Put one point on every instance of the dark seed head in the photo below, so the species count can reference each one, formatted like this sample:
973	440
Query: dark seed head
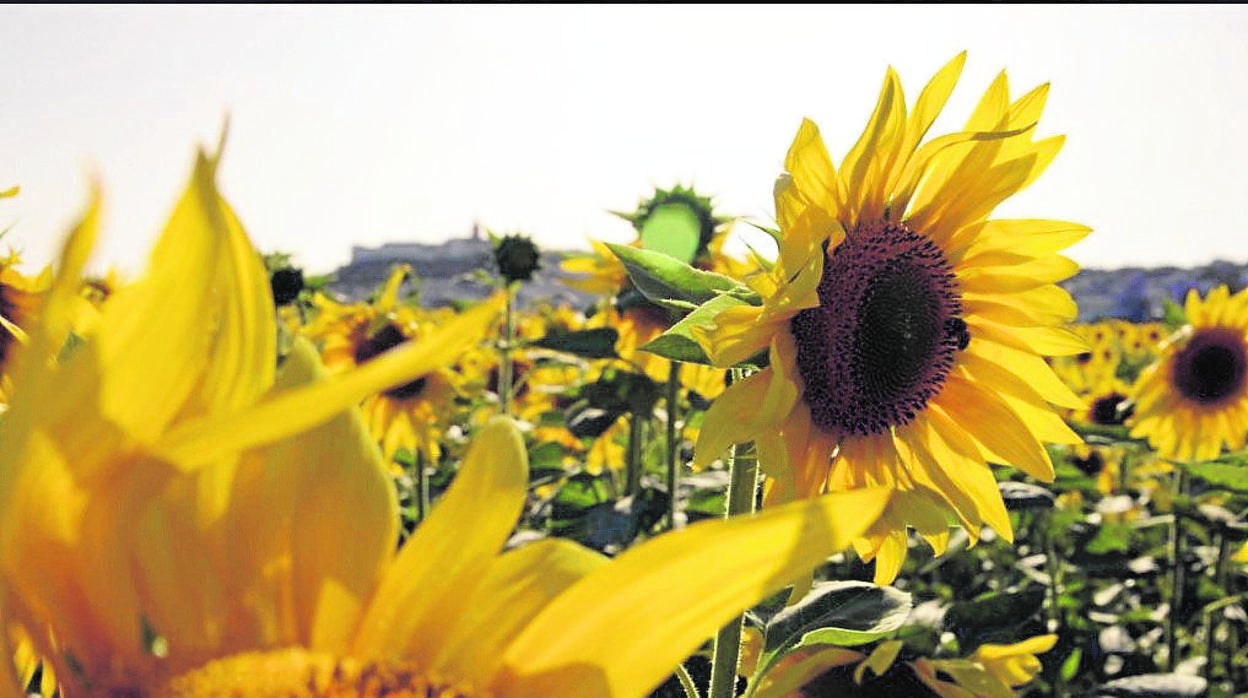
517	258
1211	367
884	335
385	339
286	284
1110	409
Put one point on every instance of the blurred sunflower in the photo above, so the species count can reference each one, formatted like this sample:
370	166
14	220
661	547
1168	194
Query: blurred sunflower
413	415
992	671
20	297
159	432
1194	399
905	331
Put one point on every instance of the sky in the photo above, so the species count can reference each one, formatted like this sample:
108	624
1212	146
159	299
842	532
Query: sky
360	125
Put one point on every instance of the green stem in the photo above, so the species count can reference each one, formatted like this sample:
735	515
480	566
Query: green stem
1177	570
686	682
742	490
673	440
1211	623
422	487
1053	567
1124	470
636	424
504	352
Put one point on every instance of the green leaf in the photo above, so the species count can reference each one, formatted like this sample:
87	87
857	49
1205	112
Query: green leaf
1070	666
1174	316
678	343
991	614
545	456
1110	538
674	284
597	343
846	613
1225	475
674	230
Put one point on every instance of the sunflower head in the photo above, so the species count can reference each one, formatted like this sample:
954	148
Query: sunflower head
677	202
906	331
1194	399
516	258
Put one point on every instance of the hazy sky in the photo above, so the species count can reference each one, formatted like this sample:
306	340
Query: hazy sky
366	124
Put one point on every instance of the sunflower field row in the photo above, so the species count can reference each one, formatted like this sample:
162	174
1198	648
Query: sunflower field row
879	459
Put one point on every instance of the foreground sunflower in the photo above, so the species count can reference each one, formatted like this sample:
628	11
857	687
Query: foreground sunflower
1194	399
905	331
179	518
155	402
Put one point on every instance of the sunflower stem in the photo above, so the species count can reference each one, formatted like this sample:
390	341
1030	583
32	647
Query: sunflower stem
686	682
422	487
1176	570
673	440
504	350
636	424
1211	624
742	489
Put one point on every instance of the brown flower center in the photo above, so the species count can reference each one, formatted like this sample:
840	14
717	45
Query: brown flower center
299	673
1211	367
385	339
884	335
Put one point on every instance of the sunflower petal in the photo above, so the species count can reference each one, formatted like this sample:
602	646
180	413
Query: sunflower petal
624	627
433	577
199	441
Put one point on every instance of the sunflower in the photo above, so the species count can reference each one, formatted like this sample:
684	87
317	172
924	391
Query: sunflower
992	671
1194	399
411	416
165	394
904	331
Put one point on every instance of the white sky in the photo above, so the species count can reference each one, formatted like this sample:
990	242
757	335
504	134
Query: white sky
368	124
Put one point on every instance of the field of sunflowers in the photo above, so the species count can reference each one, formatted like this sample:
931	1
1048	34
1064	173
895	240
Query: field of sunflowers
876	460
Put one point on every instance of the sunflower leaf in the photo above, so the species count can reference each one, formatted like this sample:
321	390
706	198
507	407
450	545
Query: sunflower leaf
672	283
1229	476
595	343
678	343
1174	316
992	616
845	613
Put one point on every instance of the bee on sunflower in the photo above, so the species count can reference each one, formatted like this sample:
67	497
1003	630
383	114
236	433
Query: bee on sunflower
905	332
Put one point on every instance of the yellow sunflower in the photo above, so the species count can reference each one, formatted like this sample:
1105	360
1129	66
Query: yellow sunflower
163	398
992	671
1194	399
20	296
413	415
905	331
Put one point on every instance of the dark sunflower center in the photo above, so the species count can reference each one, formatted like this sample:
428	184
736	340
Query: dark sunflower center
884	335
385	339
301	673
1107	409
1212	366
10	311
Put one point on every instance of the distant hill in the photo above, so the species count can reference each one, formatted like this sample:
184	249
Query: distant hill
462	269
